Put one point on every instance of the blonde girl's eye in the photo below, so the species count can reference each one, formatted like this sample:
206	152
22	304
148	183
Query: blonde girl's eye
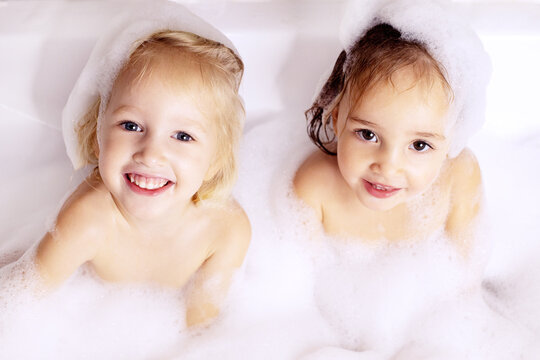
420	146
183	136
131	126
367	135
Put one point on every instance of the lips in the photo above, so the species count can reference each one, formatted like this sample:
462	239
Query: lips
379	190
147	185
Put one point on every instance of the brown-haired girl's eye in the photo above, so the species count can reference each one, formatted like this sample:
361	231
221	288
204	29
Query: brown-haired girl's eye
421	146
367	135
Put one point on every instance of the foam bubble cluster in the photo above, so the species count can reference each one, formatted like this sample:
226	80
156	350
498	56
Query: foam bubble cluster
84	318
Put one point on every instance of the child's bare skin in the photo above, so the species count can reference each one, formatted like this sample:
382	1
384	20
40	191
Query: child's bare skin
135	219
395	137
117	252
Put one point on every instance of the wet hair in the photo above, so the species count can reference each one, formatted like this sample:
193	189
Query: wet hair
372	59
221	72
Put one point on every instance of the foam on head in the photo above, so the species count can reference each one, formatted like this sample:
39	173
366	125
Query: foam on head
376	57
437	27
112	51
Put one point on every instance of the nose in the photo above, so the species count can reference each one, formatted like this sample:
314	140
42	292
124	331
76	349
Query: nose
149	152
387	161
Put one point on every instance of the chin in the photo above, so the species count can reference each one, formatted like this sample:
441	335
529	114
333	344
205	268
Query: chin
145	212
380	207
378	204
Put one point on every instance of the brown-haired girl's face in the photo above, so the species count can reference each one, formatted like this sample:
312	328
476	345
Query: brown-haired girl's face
392	144
156	146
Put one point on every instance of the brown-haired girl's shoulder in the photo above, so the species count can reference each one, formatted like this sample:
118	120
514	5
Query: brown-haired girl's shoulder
466	196
314	179
465	172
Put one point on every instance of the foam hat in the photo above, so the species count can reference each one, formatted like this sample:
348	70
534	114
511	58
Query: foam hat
448	38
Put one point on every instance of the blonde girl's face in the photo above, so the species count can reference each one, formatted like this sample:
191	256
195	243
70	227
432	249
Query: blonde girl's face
392	144
155	145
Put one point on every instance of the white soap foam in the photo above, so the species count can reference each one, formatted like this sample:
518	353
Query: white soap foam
85	318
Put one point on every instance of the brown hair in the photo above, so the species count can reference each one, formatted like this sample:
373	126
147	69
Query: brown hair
222	72
373	58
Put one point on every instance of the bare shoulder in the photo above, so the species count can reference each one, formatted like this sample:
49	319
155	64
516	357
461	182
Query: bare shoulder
464	174
232	230
86	206
315	178
237	221
76	235
466	195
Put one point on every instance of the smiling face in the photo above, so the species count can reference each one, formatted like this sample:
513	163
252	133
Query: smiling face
156	146
392	144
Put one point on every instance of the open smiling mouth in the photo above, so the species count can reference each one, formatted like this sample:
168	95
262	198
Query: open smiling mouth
144	185
380	191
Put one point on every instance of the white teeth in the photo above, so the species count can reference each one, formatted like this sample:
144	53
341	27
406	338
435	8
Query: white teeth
382	188
141	183
147	183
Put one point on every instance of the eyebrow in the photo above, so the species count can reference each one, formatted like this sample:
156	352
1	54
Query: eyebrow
430	135
124	108
418	134
362	121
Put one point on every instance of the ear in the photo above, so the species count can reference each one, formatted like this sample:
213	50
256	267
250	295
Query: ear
335	114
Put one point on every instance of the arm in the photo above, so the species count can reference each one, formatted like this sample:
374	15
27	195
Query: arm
211	282
466	196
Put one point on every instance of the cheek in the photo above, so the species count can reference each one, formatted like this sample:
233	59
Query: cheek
112	150
424	176
195	161
351	162
106	149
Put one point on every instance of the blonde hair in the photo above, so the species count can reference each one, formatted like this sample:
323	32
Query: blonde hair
221	72
372	59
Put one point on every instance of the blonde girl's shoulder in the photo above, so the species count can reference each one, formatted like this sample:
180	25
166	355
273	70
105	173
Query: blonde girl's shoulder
316	179
90	200
236	220
230	231
77	234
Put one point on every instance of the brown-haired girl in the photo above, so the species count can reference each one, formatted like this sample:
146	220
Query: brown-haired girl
390	124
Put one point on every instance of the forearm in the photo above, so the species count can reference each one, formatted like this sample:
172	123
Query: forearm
201	313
